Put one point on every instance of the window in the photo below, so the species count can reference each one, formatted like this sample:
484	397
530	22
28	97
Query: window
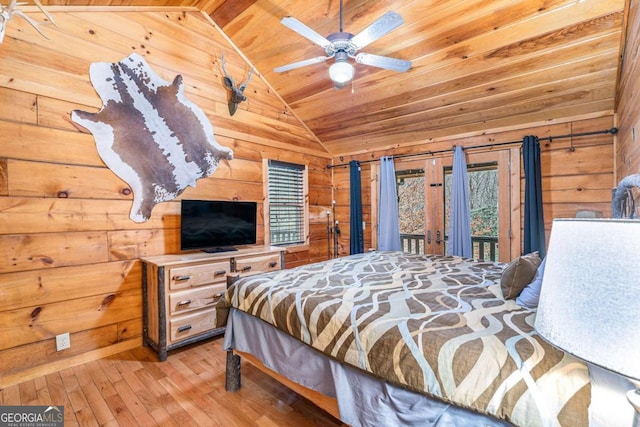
411	205
483	208
286	203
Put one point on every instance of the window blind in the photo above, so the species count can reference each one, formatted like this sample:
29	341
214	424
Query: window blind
286	203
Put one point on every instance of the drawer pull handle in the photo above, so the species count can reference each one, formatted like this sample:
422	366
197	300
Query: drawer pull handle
246	268
184	328
181	278
184	302
219	273
272	264
215	298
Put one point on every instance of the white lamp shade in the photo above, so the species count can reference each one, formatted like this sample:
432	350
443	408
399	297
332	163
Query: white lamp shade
590	289
341	71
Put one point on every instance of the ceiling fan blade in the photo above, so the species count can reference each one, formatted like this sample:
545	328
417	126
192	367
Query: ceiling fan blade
385	24
303	30
294	65
385	62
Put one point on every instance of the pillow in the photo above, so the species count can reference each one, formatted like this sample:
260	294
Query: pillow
518	274
531	293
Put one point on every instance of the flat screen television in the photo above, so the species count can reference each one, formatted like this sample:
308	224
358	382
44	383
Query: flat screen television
217	226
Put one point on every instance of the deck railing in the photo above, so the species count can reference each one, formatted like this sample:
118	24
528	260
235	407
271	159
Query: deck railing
484	247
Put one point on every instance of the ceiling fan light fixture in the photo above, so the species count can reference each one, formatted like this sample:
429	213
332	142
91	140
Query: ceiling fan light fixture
341	71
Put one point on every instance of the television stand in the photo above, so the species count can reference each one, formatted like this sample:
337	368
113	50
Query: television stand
182	294
219	249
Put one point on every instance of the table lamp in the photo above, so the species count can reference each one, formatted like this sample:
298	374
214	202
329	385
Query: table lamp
590	289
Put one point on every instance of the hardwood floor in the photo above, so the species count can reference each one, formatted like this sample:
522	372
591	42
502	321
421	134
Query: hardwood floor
134	389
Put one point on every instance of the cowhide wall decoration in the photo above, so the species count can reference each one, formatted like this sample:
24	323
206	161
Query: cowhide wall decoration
148	133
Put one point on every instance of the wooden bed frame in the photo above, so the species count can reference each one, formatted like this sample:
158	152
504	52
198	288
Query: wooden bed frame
233	383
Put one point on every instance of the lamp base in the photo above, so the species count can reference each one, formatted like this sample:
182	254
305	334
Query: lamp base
633	396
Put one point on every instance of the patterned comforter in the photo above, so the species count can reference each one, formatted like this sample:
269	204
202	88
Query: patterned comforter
433	324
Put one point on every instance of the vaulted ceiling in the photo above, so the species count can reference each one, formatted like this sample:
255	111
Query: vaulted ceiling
476	64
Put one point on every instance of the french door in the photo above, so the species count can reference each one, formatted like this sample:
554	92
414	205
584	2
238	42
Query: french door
424	197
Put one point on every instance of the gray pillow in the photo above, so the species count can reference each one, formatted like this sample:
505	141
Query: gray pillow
518	274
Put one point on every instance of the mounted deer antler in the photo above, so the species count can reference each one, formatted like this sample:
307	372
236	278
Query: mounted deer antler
237	92
7	12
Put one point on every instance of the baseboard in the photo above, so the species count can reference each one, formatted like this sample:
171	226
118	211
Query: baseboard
50	368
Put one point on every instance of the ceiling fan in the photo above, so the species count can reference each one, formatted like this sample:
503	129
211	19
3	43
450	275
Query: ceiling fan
343	45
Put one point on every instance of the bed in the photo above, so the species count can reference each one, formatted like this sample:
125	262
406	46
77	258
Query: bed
397	339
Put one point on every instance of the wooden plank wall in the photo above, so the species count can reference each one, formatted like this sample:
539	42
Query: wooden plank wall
577	173
628	147
68	250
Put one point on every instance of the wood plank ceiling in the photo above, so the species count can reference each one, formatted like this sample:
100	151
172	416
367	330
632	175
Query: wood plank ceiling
476	64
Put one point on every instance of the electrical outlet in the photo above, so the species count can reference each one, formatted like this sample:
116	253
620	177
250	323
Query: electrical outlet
63	341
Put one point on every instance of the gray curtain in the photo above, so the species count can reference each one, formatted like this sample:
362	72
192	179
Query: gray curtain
534	237
459	219
356	235
388	227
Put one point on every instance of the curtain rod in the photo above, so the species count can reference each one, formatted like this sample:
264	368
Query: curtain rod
612	131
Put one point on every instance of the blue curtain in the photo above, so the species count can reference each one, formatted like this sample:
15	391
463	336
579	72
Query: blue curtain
534	237
459	218
388	227
356	236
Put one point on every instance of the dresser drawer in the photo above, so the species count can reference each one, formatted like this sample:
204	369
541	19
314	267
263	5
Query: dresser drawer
257	264
188	325
193	299
197	275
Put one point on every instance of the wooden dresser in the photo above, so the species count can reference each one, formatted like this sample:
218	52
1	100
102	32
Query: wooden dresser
181	293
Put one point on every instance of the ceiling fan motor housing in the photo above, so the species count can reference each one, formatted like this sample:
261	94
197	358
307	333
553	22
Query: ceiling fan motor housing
341	42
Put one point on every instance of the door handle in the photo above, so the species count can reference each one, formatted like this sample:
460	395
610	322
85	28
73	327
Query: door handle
428	237
438	237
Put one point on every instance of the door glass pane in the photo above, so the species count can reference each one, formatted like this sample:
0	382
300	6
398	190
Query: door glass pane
483	208
410	185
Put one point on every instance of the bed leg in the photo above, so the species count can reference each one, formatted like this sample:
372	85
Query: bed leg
232	382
